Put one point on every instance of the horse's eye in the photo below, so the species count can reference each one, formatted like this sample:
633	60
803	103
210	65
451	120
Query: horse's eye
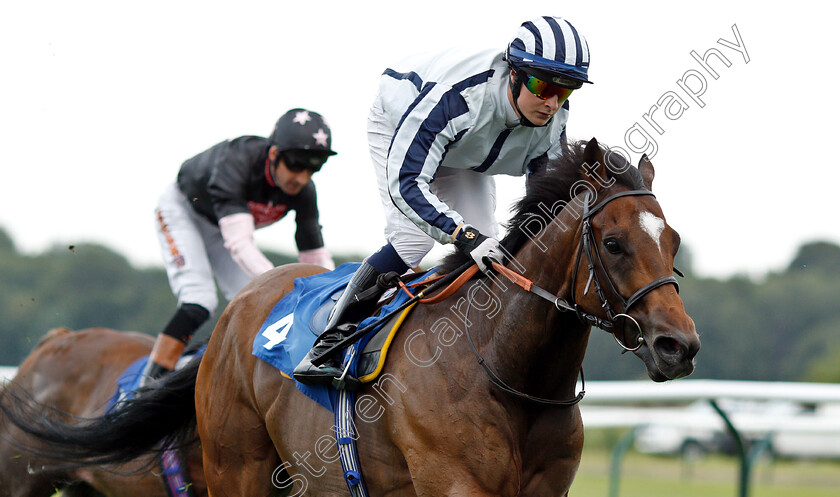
612	246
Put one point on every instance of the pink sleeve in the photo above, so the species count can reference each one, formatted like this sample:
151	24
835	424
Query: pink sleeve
238	234
319	256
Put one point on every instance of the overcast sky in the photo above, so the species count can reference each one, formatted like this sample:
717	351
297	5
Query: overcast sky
102	101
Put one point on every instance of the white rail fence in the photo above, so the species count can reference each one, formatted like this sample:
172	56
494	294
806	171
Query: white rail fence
797	431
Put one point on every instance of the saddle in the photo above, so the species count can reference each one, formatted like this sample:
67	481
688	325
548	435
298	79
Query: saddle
375	350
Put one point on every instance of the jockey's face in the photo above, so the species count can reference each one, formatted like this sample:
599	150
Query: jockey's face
533	108
290	182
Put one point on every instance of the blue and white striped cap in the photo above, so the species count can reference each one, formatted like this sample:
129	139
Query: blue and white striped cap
550	44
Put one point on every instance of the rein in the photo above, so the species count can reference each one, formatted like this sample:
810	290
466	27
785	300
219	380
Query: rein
494	378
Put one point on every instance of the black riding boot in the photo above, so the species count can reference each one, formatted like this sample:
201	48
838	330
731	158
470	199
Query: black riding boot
349	309
151	372
162	360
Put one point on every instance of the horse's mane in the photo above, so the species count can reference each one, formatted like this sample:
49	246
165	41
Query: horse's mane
549	187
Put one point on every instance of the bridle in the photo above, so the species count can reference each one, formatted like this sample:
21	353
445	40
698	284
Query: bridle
588	246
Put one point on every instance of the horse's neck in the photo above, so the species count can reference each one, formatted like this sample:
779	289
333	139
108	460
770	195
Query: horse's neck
531	338
537	348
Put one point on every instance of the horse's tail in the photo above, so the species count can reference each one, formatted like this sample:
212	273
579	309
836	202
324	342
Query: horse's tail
157	418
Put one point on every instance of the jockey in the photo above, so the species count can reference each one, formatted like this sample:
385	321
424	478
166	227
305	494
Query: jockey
206	220
440	127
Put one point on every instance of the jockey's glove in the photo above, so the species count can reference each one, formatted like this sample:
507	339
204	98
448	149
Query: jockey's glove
482	249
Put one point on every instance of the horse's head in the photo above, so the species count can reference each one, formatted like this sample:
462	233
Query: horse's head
625	265
598	233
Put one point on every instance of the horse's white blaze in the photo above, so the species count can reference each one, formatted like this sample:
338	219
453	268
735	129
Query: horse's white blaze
653	226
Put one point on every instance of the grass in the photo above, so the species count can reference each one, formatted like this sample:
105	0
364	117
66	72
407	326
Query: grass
644	475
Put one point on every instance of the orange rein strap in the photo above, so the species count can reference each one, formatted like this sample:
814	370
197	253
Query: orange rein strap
449	290
515	277
426	282
512	275
405	289
529	286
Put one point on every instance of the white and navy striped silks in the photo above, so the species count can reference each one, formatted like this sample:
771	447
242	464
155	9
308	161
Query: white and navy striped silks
551	44
451	110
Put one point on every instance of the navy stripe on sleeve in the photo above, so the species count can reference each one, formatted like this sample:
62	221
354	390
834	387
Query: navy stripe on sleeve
475	80
408	111
451	105
411	76
446	148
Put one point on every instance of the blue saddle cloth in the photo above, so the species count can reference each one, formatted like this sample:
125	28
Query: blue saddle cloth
286	336
129	380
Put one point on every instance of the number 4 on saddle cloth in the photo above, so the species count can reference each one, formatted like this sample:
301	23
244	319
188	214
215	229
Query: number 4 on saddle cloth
298	318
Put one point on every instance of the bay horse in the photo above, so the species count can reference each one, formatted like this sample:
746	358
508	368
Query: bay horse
76	372
477	397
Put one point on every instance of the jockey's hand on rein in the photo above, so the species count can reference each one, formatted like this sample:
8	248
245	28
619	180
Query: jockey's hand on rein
482	249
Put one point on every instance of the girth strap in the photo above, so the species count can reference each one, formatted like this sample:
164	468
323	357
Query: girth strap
345	437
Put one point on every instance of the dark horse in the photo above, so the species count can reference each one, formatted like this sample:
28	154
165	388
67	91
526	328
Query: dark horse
436	422
76	372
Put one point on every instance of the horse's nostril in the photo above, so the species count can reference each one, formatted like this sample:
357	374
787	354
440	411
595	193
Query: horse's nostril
669	347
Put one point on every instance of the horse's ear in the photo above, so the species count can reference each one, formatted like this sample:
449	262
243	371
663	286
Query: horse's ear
646	168
593	158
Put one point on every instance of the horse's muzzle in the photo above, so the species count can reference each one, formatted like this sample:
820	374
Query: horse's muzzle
672	356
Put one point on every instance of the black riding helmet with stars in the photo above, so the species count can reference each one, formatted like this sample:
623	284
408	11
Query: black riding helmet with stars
303	136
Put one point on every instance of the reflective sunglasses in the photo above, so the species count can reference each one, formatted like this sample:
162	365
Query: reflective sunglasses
544	91
297	162
298	167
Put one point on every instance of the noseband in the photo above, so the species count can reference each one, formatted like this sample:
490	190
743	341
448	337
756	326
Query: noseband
595	264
